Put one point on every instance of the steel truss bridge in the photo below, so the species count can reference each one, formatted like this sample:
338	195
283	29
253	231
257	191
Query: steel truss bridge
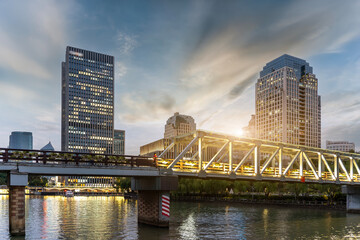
200	154
212	155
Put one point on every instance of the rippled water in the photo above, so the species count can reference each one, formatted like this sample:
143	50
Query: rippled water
115	218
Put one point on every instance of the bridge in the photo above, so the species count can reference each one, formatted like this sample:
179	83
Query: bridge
200	154
213	155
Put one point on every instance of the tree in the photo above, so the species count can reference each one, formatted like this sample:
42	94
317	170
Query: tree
330	191
3	178
297	188
241	186
123	183
37	181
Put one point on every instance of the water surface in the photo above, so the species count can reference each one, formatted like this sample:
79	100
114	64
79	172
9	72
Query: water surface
55	217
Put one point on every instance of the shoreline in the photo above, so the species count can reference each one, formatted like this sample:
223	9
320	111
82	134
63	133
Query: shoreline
338	205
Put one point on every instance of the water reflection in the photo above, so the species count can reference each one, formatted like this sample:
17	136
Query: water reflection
116	218
187	229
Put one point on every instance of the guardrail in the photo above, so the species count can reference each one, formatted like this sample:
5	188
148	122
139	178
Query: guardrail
8	155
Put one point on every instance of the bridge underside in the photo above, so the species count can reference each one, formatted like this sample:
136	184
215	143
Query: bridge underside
81	170
212	155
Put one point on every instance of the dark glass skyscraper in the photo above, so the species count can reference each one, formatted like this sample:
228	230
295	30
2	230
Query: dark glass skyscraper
87	102
119	142
21	140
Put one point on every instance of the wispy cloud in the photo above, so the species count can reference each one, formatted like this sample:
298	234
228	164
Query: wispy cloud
152	109
24	53
126	43
233	43
120	69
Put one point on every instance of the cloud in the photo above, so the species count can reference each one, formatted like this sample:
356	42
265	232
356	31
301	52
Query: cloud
241	87
12	58
120	69
143	110
29	34
232	43
16	96
126	43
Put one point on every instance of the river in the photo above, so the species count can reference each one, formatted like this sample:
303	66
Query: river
57	217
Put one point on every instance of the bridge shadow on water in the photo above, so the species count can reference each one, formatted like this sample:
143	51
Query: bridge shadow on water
151	233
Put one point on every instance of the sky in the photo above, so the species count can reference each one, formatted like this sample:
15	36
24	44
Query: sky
199	58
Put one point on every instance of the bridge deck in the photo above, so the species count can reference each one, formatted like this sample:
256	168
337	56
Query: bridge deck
200	154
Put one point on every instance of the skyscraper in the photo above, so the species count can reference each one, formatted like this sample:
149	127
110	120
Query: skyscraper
87	124
21	140
87	102
287	103
178	125
119	142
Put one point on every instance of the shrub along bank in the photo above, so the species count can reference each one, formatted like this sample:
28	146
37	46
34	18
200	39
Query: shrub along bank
253	190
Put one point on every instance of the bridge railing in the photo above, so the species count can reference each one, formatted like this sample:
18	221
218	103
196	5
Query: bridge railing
69	158
203	154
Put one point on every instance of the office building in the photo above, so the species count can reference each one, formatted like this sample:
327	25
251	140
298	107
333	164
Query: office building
342	146
178	125
288	107
21	140
87	102
119	142
87	107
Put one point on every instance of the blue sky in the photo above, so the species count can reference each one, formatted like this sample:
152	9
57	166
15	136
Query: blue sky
200	58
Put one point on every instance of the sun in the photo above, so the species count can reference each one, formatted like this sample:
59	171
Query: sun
239	132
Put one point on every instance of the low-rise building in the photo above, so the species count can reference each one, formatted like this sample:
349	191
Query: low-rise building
343	146
179	125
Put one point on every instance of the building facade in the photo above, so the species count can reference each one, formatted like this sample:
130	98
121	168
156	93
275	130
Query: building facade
119	142
288	107
342	146
87	102
48	147
87	108
178	125
21	140
249	131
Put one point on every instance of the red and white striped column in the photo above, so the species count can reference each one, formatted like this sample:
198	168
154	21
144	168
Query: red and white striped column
165	205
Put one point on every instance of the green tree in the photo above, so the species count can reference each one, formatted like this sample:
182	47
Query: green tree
123	183
37	181
241	186
297	188
330	191
3	178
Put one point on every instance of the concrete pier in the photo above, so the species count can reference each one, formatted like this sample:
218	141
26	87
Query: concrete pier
352	198
17	185
153	193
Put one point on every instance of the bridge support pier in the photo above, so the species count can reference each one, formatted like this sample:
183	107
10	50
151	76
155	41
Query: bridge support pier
154	199
352	198
17	185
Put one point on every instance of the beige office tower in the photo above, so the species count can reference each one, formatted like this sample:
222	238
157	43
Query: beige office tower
287	103
178	125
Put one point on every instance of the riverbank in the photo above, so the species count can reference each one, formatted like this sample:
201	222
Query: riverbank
286	201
